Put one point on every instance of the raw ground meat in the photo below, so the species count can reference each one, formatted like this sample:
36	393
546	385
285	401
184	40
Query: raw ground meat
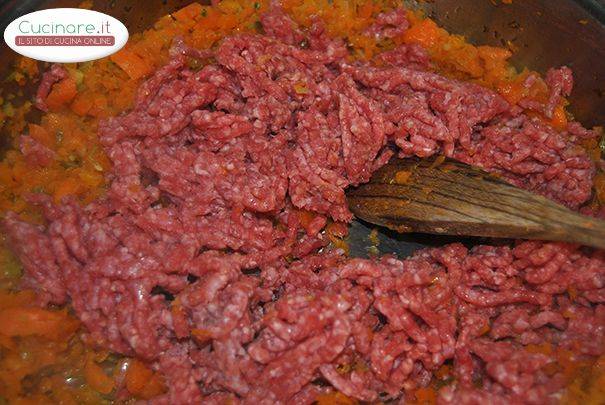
55	74
200	260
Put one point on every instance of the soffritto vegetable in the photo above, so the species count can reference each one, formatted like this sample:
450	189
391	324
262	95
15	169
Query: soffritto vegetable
309	326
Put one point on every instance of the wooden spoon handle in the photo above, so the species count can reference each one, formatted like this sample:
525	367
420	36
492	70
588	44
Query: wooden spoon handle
454	199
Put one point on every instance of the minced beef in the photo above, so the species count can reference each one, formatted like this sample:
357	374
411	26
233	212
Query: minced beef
55	74
212	173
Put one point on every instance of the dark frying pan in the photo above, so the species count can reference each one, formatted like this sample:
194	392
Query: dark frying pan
543	33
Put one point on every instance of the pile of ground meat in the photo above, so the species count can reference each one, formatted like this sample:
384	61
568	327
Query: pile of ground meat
199	261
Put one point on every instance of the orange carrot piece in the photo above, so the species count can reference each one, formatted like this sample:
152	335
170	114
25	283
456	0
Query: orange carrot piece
69	186
28	66
559	118
99	106
425	33
306	217
188	14
18	299
61	94
201	336
154	387
426	395
36	321
337	229
96	377
137	376
142	382
599	184
135	66
7	342
82	104
30	400
337	398
493	55
365	11
513	92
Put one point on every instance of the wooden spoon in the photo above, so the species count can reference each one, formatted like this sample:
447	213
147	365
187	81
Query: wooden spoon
454	199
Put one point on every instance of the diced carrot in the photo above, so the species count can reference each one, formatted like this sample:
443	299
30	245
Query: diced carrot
599	184
61	94
21	321
513	92
99	106
366	46
164	22
365	11
426	33
28	66
125	97
544	348
86	4
137	376
100	355
568	363
464	57
96	377
180	322
337	229
229	21
426	395
336	398
495	61
91	178
493	56
68	186
591	145
17	299
20	171
6	176
142	382
443	372
188	14
154	387
31	400
340	244
551	368
403	176
64	396
135	66
305	217
82	104
7	342
201	336
559	118
149	49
